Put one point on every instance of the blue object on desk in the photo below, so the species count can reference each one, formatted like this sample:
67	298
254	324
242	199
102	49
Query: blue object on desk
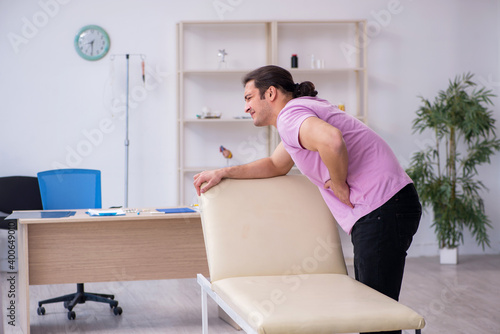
176	210
108	212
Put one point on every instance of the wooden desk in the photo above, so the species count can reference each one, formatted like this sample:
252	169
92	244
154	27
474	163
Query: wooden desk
83	249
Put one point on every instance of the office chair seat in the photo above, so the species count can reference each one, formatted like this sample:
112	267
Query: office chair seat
73	189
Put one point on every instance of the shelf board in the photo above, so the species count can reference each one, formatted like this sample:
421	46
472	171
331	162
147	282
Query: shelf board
218	120
215	71
292	70
325	70
320	21
225	22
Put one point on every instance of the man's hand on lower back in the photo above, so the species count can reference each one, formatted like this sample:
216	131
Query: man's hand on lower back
342	192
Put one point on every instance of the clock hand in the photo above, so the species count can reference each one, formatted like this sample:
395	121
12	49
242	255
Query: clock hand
91	46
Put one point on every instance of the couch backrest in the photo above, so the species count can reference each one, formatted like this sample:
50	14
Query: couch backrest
275	226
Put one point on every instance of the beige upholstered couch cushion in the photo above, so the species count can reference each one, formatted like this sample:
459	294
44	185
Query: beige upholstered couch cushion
313	304
269	227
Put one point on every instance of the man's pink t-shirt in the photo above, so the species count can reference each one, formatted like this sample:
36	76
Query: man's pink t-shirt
374	174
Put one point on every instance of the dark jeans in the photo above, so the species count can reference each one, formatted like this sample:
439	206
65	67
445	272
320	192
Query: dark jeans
381	239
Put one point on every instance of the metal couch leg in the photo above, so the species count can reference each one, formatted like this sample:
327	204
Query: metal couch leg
204	312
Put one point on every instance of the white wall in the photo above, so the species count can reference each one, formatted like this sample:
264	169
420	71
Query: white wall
56	108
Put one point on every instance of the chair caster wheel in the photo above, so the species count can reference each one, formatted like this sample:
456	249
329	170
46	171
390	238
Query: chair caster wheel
71	315
117	310
40	310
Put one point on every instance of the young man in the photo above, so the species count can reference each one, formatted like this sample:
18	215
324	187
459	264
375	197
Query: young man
359	177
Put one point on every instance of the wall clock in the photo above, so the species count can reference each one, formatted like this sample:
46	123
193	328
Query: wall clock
92	42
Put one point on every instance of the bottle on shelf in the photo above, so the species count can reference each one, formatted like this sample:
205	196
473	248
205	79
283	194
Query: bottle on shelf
295	61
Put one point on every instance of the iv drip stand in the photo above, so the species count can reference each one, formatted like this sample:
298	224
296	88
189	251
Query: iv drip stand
126	136
127	142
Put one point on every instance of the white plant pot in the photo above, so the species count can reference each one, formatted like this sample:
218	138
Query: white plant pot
448	255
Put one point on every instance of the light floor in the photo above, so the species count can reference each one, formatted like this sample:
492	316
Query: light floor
453	299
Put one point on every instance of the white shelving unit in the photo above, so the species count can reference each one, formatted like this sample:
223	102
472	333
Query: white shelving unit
203	82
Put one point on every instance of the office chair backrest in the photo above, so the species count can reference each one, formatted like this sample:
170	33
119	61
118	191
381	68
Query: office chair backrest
19	193
70	189
268	227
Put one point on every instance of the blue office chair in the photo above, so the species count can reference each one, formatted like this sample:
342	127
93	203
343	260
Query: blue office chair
64	189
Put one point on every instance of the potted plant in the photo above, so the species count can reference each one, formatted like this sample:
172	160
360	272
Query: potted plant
445	174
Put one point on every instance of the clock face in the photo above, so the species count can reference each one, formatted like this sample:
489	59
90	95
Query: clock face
92	42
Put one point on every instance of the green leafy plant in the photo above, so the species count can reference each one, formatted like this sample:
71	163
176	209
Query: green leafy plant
445	172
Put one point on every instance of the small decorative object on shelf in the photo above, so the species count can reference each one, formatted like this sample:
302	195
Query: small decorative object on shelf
207	113
228	155
295	61
222	62
316	63
320	63
225	152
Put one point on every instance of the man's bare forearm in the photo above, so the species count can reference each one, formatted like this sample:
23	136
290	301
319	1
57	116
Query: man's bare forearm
279	163
259	169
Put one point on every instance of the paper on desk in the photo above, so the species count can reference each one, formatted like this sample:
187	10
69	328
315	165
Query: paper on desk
106	212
